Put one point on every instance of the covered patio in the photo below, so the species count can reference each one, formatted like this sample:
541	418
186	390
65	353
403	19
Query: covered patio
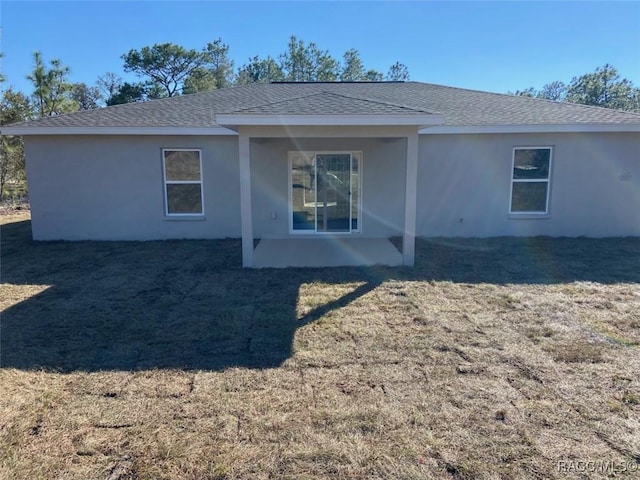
267	211
325	252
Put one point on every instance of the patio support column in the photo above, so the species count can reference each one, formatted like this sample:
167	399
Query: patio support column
410	201
246	218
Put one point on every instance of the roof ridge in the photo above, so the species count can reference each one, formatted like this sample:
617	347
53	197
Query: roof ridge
324	92
380	102
250	107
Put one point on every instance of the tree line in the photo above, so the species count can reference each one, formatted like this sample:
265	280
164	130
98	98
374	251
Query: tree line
602	88
167	69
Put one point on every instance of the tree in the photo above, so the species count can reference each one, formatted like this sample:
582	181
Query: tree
398	72
128	93
327	66
556	91
352	67
217	60
307	63
52	90
14	107
259	71
527	92
604	88
295	62
373	76
86	97
200	80
109	84
216	70
152	91
166	65
11	161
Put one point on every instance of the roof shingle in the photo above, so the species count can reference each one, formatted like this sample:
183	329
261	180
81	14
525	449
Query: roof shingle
459	107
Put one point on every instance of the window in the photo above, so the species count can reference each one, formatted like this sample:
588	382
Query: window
324	192
530	180
182	182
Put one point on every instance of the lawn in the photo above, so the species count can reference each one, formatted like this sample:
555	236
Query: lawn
492	359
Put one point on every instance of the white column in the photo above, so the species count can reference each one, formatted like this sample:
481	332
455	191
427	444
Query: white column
410	200
246	218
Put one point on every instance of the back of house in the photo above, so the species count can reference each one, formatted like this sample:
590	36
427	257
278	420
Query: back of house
342	167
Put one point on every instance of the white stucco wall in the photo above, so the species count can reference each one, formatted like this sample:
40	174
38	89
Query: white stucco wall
464	185
111	187
383	182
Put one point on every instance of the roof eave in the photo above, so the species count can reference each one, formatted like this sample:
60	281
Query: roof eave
26	130
541	128
233	120
433	128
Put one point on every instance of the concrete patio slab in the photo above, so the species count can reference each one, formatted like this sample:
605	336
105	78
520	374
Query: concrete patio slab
325	252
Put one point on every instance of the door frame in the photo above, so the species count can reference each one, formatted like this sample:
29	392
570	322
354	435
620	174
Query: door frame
314	153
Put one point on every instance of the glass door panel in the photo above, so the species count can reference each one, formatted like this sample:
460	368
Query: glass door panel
303	191
333	208
355	190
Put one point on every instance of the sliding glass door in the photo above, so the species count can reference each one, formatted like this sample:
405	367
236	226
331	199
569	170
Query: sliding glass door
325	192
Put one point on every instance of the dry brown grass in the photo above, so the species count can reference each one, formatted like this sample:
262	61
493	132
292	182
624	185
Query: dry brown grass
491	359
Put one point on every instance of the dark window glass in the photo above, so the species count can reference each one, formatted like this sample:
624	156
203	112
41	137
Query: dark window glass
184	198
529	197
182	165
531	164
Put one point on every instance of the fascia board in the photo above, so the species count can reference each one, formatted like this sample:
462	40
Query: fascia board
39	130
559	128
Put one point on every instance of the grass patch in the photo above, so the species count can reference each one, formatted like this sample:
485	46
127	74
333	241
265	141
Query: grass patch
576	352
536	334
494	358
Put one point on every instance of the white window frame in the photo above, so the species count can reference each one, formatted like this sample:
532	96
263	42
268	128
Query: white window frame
531	180
315	231
181	182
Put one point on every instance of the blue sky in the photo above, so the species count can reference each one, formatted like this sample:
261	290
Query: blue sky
494	46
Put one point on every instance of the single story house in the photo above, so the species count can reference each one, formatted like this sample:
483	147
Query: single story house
327	173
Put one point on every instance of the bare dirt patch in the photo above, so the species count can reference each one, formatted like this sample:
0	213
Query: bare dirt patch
499	358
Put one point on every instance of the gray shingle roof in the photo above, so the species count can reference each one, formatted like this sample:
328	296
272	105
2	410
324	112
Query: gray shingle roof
459	107
322	102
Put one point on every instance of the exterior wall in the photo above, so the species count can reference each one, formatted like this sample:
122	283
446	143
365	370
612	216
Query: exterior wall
111	187
383	182
464	185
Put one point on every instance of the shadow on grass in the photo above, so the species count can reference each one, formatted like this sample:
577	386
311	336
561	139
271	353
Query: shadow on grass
190	305
531	260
